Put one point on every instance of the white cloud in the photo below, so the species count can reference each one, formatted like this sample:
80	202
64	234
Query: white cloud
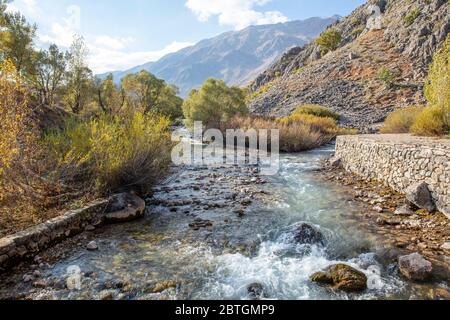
106	53
237	13
104	59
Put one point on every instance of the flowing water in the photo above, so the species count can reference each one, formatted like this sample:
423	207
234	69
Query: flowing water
139	260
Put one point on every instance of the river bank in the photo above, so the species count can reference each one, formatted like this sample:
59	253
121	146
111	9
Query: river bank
211	233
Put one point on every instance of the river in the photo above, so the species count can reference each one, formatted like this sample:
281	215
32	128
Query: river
211	232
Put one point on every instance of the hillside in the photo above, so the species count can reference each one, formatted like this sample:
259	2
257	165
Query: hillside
236	57
346	79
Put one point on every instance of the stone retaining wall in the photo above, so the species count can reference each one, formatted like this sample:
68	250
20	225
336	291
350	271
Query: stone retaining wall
400	161
30	242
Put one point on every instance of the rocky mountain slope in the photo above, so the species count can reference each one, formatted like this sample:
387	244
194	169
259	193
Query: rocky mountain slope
401	40
236	57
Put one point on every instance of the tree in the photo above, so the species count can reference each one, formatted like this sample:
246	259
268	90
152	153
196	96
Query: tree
437	87
50	69
80	78
16	40
214	103
109	96
329	40
145	92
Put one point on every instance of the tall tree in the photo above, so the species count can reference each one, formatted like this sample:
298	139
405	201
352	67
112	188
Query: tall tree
16	39
80	78
109	97
50	69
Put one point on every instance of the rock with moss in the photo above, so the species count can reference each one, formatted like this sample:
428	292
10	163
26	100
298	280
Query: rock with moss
341	277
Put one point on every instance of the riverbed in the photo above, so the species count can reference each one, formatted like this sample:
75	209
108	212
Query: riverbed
210	232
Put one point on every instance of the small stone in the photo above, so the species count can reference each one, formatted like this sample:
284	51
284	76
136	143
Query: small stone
378	209
40	284
28	278
342	277
89	228
92	246
246	202
446	246
404	210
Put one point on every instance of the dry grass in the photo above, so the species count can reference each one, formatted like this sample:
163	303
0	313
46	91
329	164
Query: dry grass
402	120
298	133
431	122
316	110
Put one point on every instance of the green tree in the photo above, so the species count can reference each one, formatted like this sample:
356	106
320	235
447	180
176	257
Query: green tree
214	103
145	92
16	39
80	78
329	40
110	98
50	70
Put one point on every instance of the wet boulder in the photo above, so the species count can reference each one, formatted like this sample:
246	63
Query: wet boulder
342	277
124	207
304	233
420	196
257	291
415	267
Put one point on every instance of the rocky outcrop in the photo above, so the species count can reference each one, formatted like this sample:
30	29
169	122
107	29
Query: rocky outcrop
346	79
342	277
30	242
412	165
415	267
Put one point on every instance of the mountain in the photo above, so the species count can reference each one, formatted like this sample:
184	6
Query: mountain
347	79
236	57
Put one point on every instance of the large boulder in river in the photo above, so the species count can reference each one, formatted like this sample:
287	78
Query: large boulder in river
419	195
304	233
124	207
342	277
415	267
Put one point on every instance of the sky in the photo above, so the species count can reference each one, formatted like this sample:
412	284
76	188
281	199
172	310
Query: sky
122	34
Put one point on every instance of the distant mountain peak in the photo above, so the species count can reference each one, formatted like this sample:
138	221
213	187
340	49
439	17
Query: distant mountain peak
236	56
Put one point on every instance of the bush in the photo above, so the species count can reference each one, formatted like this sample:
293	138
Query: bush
402	120
329	40
317	110
435	119
112	153
430	123
214	103
297	133
387	76
411	17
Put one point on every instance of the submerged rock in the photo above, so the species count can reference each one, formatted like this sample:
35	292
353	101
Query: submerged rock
419	195
306	234
92	246
257	291
415	267
342	277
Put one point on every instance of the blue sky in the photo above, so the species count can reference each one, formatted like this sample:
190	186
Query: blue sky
122	34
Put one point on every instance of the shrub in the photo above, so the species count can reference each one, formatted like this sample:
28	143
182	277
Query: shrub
112	153
317	110
329	40
387	76
402	120
430	123
297	133
435	119
411	17
214	103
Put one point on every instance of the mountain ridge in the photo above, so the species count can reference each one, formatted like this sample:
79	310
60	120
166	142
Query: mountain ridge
347	79
234	56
